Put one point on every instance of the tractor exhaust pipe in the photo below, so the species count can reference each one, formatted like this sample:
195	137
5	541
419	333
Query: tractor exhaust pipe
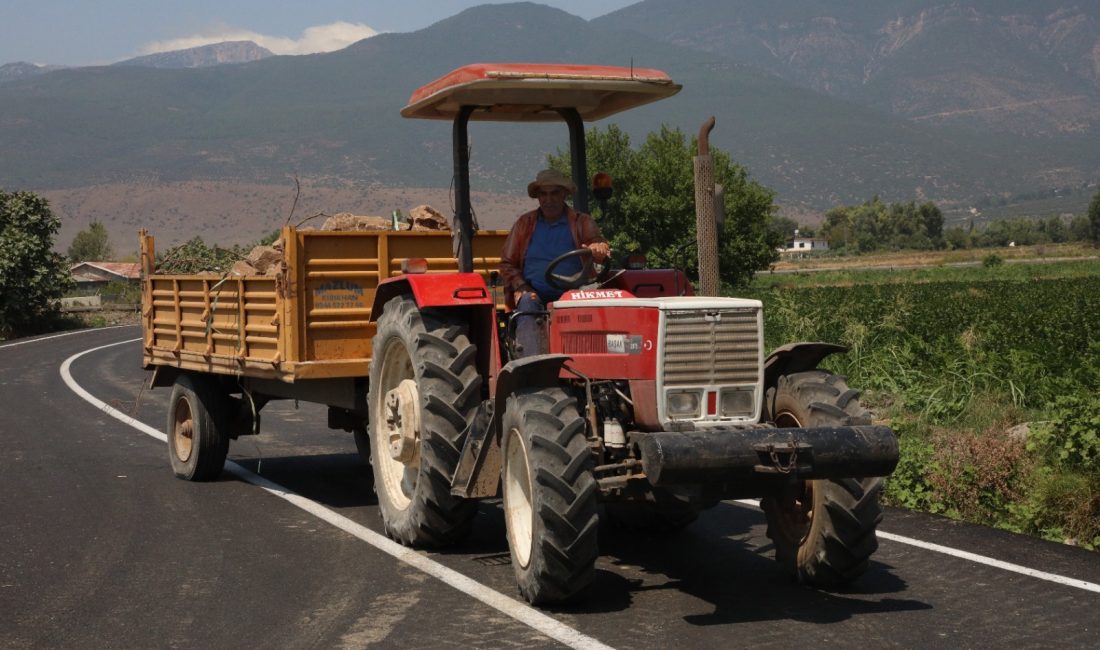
706	224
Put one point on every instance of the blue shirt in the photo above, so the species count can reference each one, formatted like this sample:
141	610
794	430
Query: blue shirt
547	242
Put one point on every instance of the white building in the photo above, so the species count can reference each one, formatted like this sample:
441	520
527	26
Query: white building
799	246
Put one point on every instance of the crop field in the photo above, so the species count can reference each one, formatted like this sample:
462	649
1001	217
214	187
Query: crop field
991	376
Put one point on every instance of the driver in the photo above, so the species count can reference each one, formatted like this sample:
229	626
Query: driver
536	239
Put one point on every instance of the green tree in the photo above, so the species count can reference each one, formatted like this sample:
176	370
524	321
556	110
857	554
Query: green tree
1094	218
875	225
956	237
1055	229
32	277
1080	228
92	244
783	228
836	228
933	222
652	210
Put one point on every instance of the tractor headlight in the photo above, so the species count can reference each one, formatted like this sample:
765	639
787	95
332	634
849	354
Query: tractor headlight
738	402
683	404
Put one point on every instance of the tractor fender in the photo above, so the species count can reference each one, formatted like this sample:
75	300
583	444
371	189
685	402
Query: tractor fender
477	474
433	290
796	357
535	370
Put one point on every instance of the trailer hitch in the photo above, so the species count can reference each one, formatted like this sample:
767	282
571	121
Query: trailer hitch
784	457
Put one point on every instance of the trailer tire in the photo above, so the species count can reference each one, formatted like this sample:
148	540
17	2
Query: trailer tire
823	530
550	495
198	441
425	361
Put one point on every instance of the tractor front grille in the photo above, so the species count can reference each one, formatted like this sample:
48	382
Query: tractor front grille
712	347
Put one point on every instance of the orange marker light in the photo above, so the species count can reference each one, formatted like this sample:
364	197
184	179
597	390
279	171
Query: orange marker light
414	265
601	186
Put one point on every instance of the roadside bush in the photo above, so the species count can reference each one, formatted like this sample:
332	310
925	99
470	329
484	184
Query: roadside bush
978	474
121	293
1072	438
909	486
1062	506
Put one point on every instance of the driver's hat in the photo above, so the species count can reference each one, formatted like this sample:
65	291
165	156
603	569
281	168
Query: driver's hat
550	177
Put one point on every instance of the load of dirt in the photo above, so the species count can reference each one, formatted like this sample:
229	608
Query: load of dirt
422	217
353	222
425	217
267	260
261	260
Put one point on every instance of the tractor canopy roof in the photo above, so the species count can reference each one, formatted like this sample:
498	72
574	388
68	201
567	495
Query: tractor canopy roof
535	92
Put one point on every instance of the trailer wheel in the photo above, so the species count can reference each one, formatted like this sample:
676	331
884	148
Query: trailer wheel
823	530
196	428
549	495
424	389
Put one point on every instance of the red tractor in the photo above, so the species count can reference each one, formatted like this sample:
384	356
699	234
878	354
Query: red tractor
650	400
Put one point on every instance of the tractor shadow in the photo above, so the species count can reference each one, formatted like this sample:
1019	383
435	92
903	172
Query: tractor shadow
335	480
725	559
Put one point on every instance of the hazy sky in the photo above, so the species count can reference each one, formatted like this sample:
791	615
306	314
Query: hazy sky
89	32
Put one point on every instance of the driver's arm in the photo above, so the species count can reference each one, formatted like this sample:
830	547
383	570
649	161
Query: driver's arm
590	237
511	258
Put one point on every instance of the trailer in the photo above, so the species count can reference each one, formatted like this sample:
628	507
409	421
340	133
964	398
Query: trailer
230	344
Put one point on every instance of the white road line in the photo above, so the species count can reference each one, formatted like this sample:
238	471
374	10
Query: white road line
974	557
57	336
521	612
981	559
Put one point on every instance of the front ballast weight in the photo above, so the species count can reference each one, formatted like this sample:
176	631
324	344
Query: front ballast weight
741	454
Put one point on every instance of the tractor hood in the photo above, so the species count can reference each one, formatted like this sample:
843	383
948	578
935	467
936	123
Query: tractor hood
588	298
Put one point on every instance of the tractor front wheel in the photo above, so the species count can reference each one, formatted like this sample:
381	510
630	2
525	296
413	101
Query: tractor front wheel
823	530
550	495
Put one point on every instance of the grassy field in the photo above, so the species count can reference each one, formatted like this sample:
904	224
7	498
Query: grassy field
990	374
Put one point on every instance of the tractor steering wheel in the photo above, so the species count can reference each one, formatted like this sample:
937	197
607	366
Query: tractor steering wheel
566	282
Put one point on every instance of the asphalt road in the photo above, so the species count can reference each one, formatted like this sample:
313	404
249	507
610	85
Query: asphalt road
100	546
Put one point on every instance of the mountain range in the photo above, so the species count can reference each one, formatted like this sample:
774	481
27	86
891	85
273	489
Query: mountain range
203	56
966	103
1023	66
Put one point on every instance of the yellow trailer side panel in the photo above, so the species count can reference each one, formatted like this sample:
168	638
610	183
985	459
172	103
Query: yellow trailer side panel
310	320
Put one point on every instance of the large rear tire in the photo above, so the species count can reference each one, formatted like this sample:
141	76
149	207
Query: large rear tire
550	496
424	390
824	530
198	441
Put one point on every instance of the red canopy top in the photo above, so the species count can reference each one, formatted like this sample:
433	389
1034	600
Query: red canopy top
524	92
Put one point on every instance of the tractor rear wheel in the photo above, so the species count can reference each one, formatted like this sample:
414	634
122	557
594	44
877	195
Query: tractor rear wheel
550	495
424	390
823	530
198	441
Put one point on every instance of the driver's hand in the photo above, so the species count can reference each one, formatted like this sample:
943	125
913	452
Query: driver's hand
600	250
